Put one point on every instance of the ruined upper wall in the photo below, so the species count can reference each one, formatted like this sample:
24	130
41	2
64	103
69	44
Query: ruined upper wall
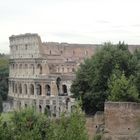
30	46
70	52
25	46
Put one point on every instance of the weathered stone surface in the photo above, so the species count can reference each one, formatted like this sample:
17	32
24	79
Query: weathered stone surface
122	120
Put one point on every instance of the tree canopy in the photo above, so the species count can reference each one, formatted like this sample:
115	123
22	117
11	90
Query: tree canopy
4	72
29	125
91	83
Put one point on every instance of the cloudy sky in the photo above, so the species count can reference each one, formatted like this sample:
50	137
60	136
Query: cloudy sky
73	21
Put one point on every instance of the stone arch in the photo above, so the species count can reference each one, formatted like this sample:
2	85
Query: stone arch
39	89
47	110
15	88
54	111
64	89
25	88
20	88
73	69
31	89
67	102
58	83
19	105
13	66
48	90
26	105
39	67
40	108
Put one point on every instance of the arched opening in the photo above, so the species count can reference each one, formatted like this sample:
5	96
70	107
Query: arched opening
48	90
25	89
19	105
73	69
58	83
39	90
25	105
13	87
39	67
47	110
40	108
64	90
20	88
54	111
31	89
67	102
13	66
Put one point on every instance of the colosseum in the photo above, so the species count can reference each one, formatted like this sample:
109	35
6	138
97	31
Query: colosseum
41	74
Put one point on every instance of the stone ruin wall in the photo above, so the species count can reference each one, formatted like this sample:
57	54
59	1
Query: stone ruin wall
122	121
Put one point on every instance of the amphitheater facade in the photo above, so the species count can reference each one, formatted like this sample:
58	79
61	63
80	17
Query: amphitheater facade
41	74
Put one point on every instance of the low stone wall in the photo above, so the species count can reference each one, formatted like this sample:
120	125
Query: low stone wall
122	121
94	124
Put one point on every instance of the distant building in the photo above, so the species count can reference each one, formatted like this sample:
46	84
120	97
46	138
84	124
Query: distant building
41	74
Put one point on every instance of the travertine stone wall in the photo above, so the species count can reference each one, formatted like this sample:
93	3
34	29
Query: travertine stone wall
25	46
122	120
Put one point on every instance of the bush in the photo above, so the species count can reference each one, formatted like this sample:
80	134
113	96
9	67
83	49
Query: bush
98	137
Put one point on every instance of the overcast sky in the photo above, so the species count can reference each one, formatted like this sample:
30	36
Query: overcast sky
73	21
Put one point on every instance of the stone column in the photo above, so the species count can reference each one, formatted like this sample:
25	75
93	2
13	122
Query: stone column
54	90
28	89
43	89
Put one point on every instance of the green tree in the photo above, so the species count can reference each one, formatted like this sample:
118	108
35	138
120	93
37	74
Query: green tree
122	89
68	127
91	83
30	125
1	106
4	72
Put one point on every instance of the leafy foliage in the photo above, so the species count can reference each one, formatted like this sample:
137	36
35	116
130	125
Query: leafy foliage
91	83
30	125
4	72
122	89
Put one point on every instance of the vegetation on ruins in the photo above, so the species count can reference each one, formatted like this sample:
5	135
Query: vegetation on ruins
111	72
30	125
